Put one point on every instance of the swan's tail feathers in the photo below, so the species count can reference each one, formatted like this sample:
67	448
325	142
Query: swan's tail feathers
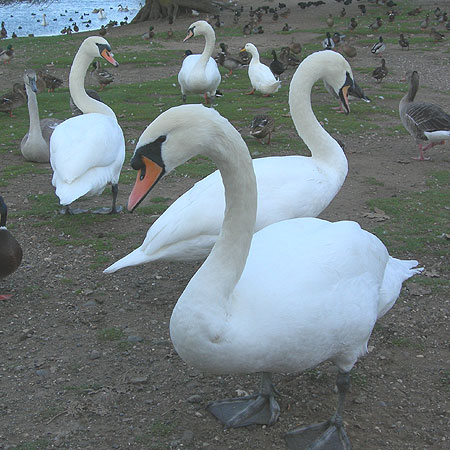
134	258
397	271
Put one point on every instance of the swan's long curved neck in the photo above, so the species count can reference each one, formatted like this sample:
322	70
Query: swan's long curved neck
34	131
217	277
85	103
321	145
210	42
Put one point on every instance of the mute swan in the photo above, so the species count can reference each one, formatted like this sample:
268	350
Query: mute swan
301	292
35	145
288	186
261	77
199	74
423	121
87	151
10	249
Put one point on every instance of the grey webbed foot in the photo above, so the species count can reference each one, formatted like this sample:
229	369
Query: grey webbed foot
108	210
72	211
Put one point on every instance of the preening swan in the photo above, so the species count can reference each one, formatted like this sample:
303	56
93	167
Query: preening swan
199	74
261	77
297	293
87	151
35	145
288	186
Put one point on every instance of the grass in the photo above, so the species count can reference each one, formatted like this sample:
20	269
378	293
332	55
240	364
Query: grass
110	334
38	444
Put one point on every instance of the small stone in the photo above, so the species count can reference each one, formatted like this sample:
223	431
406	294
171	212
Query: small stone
90	304
188	436
139	380
194	398
94	354
42	372
135	338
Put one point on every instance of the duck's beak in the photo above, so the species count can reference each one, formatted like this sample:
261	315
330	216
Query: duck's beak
148	175
190	33
106	54
343	93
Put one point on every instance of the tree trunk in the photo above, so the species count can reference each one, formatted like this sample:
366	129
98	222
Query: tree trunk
161	9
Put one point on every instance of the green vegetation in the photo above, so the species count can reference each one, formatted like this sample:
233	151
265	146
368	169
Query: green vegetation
110	334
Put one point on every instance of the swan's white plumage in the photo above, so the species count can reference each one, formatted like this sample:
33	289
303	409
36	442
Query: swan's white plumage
261	77
199	74
86	151
288	187
296	293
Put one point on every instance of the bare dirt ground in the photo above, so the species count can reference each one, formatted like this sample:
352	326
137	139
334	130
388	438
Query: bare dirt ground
65	382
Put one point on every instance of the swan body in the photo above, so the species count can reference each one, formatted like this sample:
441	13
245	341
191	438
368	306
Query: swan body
199	74
295	294
87	151
288	186
261	77
35	145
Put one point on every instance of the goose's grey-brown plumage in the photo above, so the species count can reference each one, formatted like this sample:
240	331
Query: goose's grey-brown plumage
425	122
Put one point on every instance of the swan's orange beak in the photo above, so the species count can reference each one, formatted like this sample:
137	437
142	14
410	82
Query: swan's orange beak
105	54
146	178
190	33
344	91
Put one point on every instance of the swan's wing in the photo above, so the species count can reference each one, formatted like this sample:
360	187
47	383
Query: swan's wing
83	143
186	68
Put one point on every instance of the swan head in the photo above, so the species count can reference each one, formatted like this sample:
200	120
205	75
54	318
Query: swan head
199	28
171	139
29	78
96	46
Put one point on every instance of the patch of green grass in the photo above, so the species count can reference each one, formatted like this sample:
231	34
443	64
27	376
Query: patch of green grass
38	444
49	413
83	389
373	181
404	342
110	334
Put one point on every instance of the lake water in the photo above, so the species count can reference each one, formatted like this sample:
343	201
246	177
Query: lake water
24	18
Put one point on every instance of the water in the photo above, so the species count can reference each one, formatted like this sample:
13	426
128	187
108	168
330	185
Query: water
27	18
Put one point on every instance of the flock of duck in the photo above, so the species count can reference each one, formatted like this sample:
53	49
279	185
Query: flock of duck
280	290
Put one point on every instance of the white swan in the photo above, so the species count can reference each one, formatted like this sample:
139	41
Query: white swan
303	291
44	20
87	151
261	77
288	186
101	14
35	145
199	74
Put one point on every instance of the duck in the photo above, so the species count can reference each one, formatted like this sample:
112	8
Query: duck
87	151
150	34
347	50
10	249
328	43
353	24
403	42
225	60
376	25
101	14
14	99
276	66
102	31
355	91
426	122
380	72
424	24
330	20
199	73
102	76
74	108
285	299
3	32
261	77
437	37
379	47
287	58
295	47
7	55
262	125
44	22
51	82
35	145
184	233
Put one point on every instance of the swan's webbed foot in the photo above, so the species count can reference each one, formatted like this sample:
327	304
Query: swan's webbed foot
329	435
260	408
72	211
114	209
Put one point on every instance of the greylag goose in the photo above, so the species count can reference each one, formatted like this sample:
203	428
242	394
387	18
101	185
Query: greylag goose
423	121
10	250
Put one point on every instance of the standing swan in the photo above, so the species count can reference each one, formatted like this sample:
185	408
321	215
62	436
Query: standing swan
261	77
288	186
87	151
423	121
199	74
35	145
301	292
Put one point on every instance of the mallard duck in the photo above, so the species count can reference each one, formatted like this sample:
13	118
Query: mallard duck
7	55
14	99
199	74
286	27
436	36
330	20
328	43
297	293
276	66
102	31
225	60
424	24
362	9
391	16
343	12
87	151
287	58
295	47
35	145
403	42
261	77
3	32
51	82
423	121
102	76
150	34
353	24
380	72
10	249
376	25
75	110
262	125
348	50
379	47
